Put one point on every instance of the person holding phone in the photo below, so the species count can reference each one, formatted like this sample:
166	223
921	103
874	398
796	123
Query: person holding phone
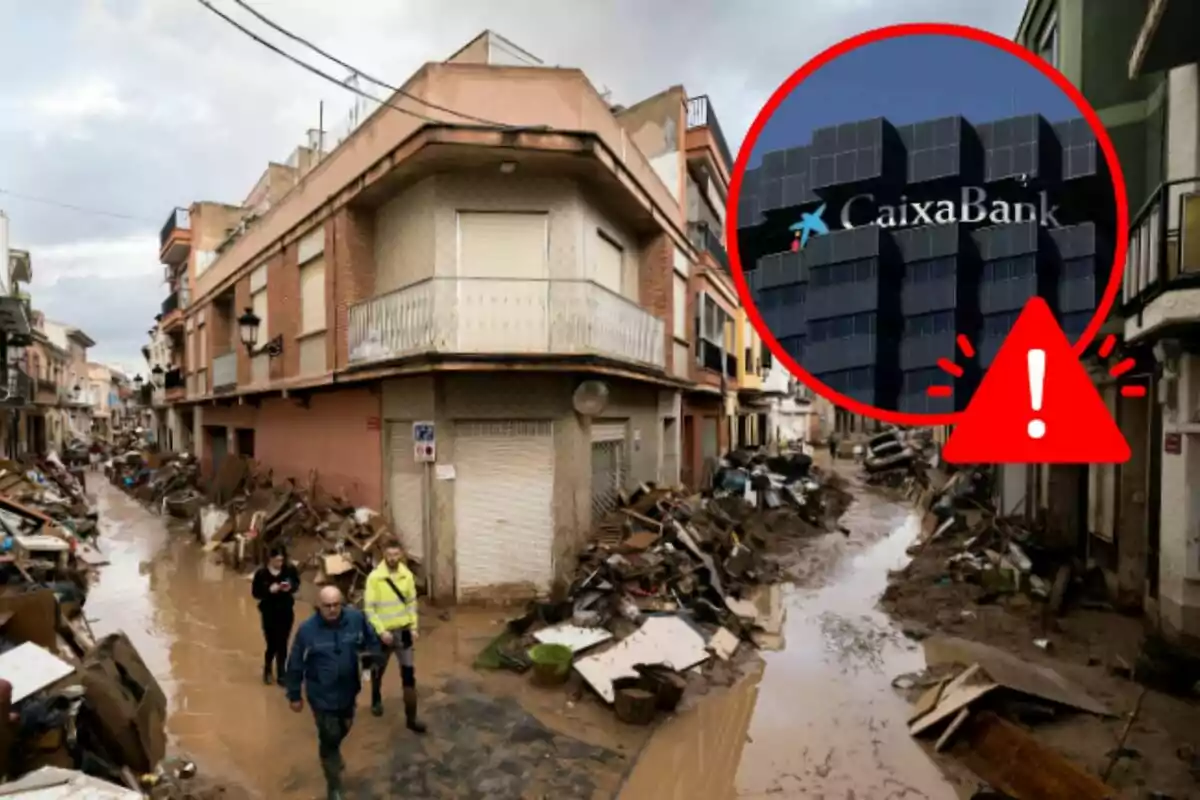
274	587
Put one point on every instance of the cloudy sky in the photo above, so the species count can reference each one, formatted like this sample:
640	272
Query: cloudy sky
131	107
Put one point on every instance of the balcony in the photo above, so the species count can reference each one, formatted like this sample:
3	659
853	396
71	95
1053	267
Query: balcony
170	304
175	239
174	385
702	236
700	114
1163	256
485	316
18	390
224	371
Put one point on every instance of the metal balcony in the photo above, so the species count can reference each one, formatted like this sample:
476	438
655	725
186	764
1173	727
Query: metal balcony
485	316
17	390
702	236
175	238
170	304
1164	245
700	114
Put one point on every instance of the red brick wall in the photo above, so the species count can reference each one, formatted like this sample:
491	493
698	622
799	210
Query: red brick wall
655	286
283	310
349	275
333	436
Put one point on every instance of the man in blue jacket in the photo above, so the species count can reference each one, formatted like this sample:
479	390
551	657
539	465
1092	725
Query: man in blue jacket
326	658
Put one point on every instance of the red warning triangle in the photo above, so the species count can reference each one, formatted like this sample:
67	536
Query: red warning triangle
1001	423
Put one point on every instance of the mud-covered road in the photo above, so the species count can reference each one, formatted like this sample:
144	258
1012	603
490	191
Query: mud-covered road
818	720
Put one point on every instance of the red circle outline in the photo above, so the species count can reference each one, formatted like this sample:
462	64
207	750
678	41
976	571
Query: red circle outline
878	35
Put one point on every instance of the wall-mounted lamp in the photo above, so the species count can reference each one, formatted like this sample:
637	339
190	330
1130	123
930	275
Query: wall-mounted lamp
248	324
157	375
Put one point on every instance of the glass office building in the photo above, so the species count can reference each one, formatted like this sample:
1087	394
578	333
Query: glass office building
935	229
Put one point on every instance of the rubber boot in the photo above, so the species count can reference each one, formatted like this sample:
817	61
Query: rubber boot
410	711
332	767
376	693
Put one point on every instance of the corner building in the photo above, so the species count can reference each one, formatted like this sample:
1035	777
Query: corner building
936	229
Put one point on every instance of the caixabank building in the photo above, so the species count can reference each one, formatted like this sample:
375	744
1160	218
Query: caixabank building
871	248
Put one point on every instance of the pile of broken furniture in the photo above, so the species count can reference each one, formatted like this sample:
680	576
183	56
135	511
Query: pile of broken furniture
672	585
75	712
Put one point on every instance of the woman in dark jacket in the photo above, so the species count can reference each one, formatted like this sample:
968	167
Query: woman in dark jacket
274	587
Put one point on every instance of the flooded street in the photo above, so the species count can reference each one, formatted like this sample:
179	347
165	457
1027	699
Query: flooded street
197	628
820	719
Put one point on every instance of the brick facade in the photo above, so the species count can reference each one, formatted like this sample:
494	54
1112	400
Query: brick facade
655	286
349	275
337	435
283	306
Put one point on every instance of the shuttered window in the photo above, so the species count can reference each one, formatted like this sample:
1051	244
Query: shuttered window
258	303
503	245
679	298
312	296
609	263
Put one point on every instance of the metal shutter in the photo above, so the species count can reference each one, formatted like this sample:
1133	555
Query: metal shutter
503	505
608	465
406	490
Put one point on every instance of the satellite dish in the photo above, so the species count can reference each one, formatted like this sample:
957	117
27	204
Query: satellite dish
590	398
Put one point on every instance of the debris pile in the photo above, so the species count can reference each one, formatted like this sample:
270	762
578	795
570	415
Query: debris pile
900	459
75	711
672	585
971	697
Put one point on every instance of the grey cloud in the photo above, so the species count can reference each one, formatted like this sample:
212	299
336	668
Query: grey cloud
196	109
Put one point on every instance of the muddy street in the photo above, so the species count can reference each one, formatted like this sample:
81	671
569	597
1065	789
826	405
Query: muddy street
818	718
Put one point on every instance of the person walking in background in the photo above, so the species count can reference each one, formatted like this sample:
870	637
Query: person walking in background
274	587
833	446
390	601
327	662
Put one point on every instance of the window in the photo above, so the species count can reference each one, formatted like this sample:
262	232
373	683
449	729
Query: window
609	266
929	324
312	296
258	304
1047	42
503	245
841	327
679	301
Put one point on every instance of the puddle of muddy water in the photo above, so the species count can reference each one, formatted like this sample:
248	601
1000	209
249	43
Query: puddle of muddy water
822	721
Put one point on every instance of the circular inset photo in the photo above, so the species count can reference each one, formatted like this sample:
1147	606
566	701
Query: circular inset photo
901	198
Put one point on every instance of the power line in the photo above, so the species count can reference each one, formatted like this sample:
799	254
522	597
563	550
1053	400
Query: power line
73	207
382	84
309	67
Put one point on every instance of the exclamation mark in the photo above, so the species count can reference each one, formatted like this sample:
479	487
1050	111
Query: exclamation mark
1037	381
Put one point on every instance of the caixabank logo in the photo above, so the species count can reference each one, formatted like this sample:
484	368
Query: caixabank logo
973	206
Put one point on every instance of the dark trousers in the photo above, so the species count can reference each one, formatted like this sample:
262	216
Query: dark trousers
332	729
277	629
402	649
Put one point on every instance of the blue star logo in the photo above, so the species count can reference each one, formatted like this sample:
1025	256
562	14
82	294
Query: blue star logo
810	223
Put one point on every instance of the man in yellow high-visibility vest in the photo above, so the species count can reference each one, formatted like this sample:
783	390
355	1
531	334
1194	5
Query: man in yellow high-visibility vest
390	602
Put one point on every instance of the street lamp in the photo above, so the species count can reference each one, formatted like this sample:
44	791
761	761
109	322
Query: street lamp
137	381
248	329
157	376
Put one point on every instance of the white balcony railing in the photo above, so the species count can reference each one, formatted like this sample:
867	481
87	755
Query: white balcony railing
224	370
504	316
